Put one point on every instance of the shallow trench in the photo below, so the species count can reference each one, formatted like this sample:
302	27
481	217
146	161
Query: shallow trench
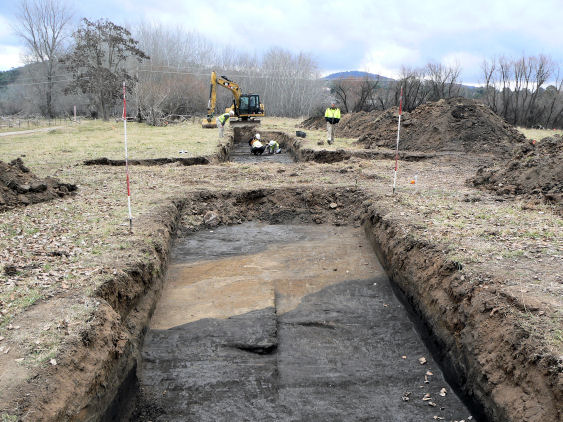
285	322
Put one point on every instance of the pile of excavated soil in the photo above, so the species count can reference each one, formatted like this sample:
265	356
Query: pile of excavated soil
313	123
352	125
18	186
536	169
456	124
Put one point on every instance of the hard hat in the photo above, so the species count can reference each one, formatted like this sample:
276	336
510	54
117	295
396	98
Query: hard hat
231	113
257	136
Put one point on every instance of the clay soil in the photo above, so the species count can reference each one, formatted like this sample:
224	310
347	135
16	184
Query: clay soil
484	271
534	171
19	186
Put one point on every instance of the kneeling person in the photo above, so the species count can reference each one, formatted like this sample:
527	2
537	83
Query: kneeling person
256	147
273	147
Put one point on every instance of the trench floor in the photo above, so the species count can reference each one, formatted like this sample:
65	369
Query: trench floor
286	323
241	154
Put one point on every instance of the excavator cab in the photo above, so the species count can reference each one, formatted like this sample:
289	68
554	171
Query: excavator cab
249	106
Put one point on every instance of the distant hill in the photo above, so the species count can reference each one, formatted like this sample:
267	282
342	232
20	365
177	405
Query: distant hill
9	76
356	74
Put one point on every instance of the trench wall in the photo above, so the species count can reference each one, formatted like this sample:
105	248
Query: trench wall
299	153
498	369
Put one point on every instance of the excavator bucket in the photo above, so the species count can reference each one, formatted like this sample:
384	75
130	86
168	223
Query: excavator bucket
208	124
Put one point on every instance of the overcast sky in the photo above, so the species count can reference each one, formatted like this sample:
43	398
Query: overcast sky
372	35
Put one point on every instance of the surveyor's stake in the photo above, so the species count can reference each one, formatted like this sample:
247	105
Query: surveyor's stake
397	148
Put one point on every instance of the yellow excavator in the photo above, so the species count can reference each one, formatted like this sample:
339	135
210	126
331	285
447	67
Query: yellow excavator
245	106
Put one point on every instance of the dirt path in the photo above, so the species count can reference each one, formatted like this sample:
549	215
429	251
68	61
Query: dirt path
23	132
279	324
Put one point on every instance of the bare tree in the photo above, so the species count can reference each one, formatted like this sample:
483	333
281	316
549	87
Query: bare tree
489	70
514	88
444	81
42	25
415	90
175	79
356	94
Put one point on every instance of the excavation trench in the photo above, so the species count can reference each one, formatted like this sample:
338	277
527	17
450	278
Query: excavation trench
293	150
285	322
278	309
240	149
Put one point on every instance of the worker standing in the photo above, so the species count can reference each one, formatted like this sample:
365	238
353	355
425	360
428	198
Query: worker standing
222	121
332	117
256	147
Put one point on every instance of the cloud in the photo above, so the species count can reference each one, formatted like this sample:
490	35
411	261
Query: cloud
388	59
10	56
369	34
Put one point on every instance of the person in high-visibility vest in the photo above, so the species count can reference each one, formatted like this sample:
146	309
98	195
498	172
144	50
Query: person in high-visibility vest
273	147
256	147
222	121
332	117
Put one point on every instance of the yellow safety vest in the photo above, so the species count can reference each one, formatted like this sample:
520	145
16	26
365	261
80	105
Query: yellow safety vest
332	113
224	117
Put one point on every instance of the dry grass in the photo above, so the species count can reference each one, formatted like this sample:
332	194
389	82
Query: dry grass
16	125
74	143
539	134
64	246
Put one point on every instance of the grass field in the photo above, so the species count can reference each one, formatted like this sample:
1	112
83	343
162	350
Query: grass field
538	134
94	139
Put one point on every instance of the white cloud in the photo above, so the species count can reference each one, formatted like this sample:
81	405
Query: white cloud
375	35
387	59
10	57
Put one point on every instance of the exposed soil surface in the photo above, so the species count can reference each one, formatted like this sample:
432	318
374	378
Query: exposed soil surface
352	125
189	161
535	170
19	186
456	124
280	325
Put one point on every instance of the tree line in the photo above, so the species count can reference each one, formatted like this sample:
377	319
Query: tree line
167	72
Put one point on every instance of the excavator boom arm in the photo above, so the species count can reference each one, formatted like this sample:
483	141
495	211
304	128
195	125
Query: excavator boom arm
225	83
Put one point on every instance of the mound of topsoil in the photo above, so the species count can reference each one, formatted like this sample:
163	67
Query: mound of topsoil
18	186
455	124
351	125
536	169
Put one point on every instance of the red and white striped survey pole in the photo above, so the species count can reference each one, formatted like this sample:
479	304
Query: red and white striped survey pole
398	135
127	159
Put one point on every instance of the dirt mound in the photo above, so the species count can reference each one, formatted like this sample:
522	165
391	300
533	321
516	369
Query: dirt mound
313	123
352	125
18	186
456	124
536	169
